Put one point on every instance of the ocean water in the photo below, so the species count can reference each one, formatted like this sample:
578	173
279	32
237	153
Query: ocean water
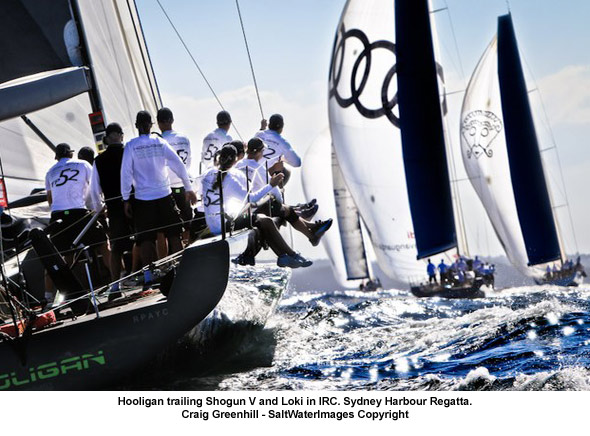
520	338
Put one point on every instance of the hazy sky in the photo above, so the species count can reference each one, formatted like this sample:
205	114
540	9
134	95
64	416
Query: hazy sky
291	40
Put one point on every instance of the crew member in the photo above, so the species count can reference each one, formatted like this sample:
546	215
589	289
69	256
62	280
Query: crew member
256	174
431	270
68	185
278	151
215	140
442	270
232	182
181	144
106	186
146	162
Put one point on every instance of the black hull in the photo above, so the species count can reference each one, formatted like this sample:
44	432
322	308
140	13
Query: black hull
424	291
91	352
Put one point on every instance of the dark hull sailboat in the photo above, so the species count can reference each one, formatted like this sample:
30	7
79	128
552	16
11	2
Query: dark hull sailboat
87	342
93	350
461	291
400	182
500	145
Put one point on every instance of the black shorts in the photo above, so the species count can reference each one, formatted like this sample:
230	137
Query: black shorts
186	212
153	216
274	208
120	230
72	223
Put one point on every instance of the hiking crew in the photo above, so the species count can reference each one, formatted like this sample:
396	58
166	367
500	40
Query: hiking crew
278	151
235	198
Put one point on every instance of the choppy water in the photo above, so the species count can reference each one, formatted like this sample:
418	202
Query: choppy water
528	338
524	338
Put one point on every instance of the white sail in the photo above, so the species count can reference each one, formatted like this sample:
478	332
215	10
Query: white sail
364	122
125	82
486	158
318	183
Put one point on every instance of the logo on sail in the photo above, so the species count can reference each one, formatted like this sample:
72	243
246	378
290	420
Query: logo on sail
355	86
479	129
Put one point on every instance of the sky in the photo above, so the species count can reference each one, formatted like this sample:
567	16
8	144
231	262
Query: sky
290	42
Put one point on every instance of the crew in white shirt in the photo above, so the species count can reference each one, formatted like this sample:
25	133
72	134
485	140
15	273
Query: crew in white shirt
181	144
147	160
274	207
215	140
68	188
278	151
235	197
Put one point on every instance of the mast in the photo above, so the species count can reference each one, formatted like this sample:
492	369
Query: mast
97	120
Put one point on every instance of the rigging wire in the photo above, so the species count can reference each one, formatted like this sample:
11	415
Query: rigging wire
554	146
195	62
249	59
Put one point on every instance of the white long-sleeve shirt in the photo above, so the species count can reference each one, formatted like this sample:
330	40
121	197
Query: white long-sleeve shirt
257	176
234	196
182	146
211	145
277	146
69	183
146	161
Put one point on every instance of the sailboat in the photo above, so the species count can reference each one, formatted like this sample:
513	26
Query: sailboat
345	246
391	143
501	154
66	59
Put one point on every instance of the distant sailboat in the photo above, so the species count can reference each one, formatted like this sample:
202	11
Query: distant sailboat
501	155
391	143
345	245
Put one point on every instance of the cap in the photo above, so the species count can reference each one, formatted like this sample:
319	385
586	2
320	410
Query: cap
255	144
63	150
223	118
143	117
276	122
113	128
164	114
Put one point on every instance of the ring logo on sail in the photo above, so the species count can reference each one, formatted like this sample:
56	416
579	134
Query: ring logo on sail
479	129
366	61
361	69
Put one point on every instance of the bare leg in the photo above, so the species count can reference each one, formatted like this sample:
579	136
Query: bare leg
116	265
174	244
162	245
148	251
271	235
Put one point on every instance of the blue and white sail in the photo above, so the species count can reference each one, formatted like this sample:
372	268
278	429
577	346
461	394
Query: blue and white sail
502	158
386	124
49	80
